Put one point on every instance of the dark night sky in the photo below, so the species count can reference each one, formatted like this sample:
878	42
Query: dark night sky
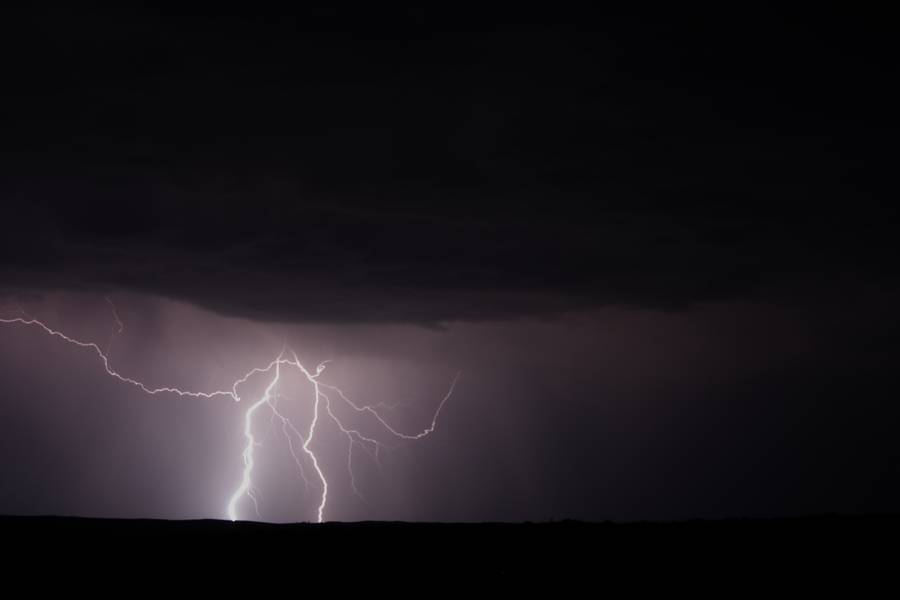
660	247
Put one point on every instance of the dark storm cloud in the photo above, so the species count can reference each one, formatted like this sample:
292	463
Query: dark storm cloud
412	168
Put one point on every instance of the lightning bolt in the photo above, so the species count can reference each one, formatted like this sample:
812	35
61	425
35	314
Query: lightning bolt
120	327
302	452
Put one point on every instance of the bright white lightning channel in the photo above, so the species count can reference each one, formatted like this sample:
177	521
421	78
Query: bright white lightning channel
321	408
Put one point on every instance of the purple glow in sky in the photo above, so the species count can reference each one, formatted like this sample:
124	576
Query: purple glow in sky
274	407
728	409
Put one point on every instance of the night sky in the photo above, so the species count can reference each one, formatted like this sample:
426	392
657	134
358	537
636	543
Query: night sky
659	247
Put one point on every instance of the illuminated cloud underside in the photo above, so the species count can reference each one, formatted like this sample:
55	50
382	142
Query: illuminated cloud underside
298	442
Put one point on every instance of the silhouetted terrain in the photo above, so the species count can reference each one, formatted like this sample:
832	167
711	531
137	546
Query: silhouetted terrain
854	552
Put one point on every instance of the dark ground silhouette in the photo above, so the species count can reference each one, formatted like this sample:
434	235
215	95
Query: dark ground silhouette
825	552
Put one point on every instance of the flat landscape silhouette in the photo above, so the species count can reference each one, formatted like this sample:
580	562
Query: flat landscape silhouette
815	551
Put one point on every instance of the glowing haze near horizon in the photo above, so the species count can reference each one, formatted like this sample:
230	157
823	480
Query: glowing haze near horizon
290	404
603	414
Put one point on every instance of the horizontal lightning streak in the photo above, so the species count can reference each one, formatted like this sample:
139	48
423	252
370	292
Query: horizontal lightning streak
144	388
